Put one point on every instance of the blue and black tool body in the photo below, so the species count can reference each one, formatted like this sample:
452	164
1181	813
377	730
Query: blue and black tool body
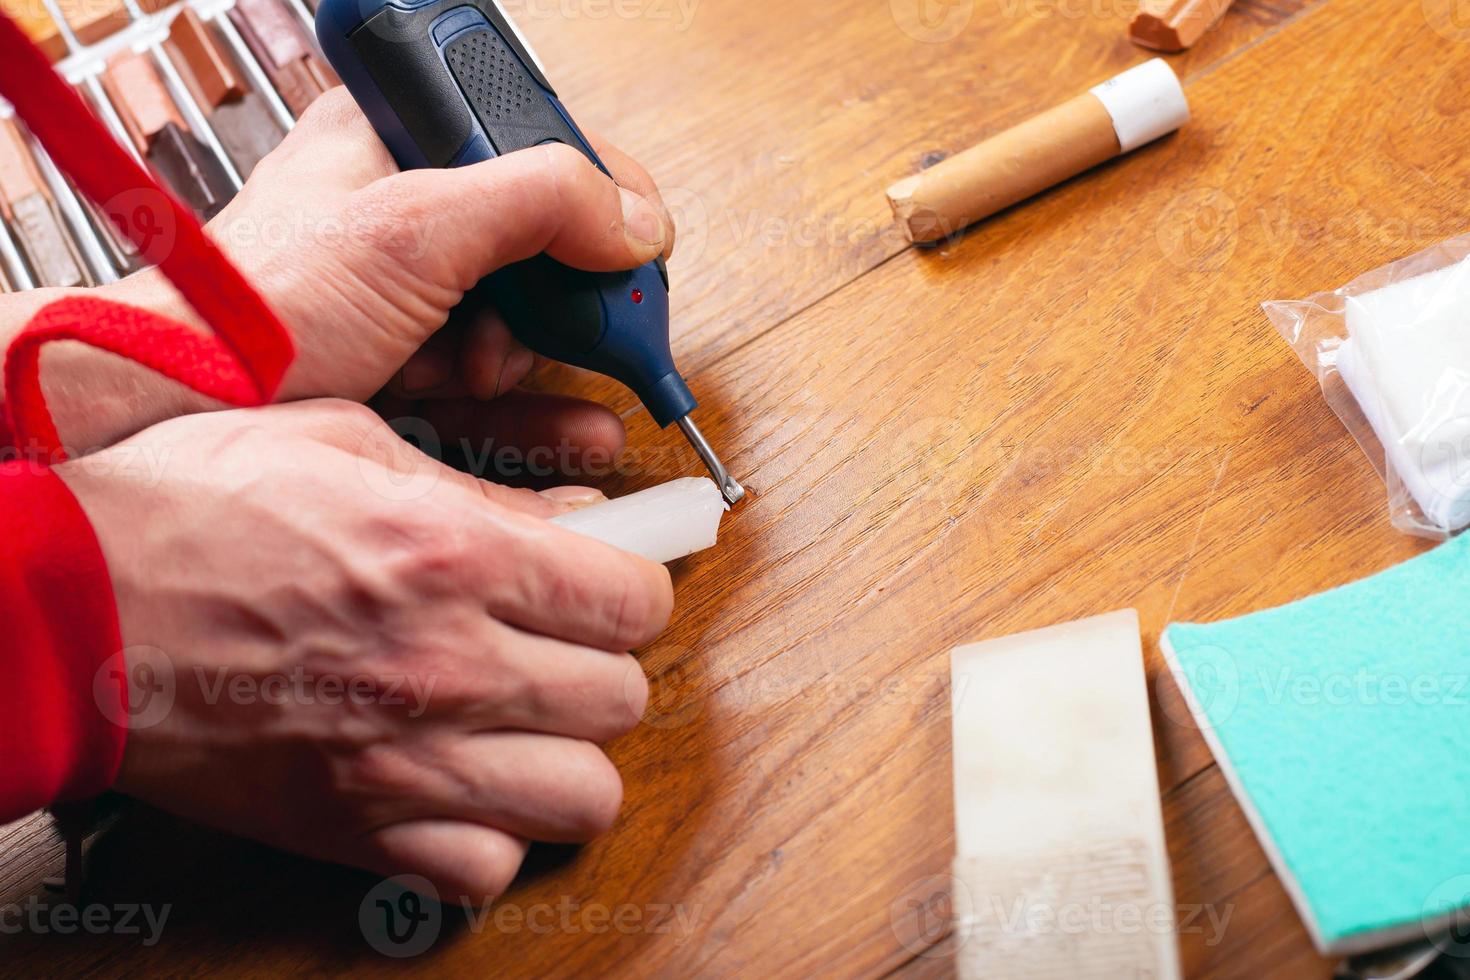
451	82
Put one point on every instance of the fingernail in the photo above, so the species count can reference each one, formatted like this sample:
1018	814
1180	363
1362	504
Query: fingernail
422	374
574	497
517	365
641	221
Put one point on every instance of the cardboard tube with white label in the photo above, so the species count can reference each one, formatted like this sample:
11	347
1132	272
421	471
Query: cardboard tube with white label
1123	113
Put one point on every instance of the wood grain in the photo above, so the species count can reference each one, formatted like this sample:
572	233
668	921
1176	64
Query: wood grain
774	128
30	852
1075	408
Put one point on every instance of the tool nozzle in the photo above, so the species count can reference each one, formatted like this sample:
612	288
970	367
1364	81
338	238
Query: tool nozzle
730	489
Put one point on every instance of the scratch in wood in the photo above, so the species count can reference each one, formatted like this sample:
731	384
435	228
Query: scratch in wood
1198	530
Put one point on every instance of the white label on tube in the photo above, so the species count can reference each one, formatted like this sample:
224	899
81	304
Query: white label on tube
1145	102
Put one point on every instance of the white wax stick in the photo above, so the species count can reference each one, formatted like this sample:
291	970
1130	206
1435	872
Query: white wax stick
1057	811
661	523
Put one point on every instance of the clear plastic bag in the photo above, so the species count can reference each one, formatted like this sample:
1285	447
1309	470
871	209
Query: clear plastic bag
1391	350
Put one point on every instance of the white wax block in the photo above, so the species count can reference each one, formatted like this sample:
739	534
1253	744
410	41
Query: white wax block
1061	865
661	523
1407	362
1145	102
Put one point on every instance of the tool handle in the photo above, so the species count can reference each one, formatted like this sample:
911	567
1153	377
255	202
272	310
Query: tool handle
447	83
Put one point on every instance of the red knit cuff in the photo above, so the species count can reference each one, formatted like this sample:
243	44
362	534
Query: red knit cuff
62	712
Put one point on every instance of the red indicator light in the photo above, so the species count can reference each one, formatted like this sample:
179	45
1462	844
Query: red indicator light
637	295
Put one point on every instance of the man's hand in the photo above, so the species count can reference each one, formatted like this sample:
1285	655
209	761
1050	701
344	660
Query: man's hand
358	654
363	264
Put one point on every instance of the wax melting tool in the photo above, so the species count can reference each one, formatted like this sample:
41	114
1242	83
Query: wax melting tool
448	83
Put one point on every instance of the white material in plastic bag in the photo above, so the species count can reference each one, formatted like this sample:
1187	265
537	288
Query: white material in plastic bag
1392	352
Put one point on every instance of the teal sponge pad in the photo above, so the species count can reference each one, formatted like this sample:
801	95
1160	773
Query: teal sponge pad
1342	723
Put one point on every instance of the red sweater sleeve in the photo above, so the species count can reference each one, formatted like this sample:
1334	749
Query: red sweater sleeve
58	632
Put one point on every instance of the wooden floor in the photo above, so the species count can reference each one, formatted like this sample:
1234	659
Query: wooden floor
1075	408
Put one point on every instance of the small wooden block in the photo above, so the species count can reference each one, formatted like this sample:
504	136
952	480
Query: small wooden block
1173	25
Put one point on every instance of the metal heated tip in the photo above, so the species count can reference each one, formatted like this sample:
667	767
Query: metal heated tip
730	489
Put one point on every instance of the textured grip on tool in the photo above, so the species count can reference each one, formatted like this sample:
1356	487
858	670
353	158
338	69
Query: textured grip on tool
513	110
414	104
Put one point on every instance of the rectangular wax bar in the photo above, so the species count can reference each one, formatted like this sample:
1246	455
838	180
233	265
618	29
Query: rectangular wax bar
203	61
142	101
1058	823
41	236
191	169
244	124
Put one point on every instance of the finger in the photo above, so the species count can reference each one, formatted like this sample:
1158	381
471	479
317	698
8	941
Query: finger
629	173
548	580
549	198
511	679
531	435
432	371
374	441
473	355
492	361
529	573
543	787
460	860
544	504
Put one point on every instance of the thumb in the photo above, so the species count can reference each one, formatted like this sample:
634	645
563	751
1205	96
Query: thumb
550	198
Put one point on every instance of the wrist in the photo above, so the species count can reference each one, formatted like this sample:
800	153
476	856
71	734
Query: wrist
96	398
